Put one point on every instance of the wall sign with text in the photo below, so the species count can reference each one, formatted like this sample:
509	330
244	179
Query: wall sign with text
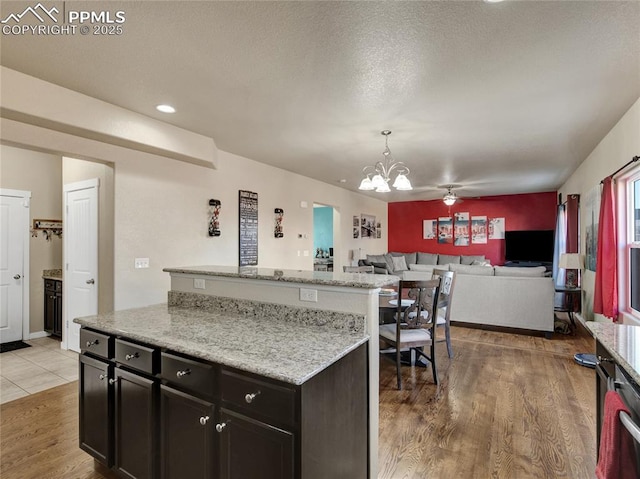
248	238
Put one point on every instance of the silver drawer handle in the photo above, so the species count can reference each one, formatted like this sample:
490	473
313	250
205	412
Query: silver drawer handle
606	360
251	396
204	420
102	377
91	343
129	357
112	381
220	426
184	372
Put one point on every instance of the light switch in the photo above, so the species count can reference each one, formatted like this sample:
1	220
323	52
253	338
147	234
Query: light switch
198	284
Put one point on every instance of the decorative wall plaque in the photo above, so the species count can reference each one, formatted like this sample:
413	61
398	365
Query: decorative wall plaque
248	237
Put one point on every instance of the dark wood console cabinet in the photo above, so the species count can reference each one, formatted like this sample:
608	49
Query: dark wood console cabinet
181	417
53	307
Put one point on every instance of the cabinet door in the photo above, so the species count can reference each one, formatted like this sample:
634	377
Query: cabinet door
57	315
49	310
135	422
96	415
253	449
187	434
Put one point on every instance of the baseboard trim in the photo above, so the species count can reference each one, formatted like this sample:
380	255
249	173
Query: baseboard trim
38	334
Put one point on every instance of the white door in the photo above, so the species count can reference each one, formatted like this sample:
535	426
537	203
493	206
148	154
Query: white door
80	239
14	221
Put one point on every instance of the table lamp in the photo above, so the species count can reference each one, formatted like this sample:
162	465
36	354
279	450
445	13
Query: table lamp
572	262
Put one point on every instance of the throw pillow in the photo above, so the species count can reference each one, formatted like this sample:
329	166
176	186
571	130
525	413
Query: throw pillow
399	264
380	268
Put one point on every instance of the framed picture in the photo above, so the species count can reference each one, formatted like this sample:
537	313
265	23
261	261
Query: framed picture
461	229
378	230
429	229
496	228
445	230
356	227
367	226
248	219
479	230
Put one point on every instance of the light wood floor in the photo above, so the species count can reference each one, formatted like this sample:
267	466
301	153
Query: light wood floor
508	406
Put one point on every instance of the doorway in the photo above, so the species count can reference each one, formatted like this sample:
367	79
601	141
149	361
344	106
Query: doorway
14	265
326	228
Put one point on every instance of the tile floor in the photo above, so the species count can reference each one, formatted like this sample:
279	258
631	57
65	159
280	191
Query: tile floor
30	370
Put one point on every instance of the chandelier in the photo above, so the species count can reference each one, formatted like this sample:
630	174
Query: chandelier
377	177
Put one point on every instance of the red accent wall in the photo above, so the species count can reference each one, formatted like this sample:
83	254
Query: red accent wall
534	211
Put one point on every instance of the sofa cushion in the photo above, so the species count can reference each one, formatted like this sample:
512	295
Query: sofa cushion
413	275
464	259
426	258
399	264
427	268
410	258
471	269
448	259
535	272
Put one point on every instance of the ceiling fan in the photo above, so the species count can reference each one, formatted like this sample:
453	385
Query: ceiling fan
450	198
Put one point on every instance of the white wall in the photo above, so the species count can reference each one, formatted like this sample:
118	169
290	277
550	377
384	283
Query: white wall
161	208
41	174
620	145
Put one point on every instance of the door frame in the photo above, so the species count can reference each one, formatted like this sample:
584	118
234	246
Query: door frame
75	186
26	273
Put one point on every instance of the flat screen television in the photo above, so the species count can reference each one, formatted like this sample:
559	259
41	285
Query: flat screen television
529	246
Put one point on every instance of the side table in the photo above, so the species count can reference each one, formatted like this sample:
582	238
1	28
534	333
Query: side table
571	301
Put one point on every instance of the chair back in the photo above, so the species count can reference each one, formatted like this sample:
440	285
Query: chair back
358	269
423	311
446	286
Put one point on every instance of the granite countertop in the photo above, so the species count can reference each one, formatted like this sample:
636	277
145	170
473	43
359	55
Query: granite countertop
352	280
623	342
52	274
271	347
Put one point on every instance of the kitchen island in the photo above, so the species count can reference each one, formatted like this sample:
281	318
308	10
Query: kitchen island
279	361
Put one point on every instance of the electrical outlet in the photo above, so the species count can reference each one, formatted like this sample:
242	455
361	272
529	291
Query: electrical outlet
198	284
140	263
309	295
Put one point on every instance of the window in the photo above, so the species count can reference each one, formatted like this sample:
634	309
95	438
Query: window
630	272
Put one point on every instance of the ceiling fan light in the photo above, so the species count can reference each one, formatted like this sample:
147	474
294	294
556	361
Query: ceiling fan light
366	184
378	181
402	183
449	199
384	188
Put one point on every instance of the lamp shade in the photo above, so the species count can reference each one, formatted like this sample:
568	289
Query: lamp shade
402	183
366	184
571	261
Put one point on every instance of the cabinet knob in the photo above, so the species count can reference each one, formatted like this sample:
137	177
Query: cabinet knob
91	343
102	377
184	372
112	381
220	426
251	396
129	357
204	420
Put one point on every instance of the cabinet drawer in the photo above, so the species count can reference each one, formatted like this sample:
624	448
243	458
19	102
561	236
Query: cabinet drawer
50	284
259	397
136	356
94	343
187	374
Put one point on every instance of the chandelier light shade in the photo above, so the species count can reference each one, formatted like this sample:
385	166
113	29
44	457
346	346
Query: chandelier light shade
378	176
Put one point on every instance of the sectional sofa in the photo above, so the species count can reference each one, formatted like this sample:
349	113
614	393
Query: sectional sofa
485	295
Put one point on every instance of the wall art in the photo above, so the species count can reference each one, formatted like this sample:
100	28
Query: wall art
248	228
461	229
278	232
479	230
496	228
214	217
49	228
445	230
368	226
356	227
378	230
429	229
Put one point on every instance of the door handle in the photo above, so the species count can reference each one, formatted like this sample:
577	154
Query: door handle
17	276
91	281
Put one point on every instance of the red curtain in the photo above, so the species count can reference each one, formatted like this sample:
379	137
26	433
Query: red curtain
605	298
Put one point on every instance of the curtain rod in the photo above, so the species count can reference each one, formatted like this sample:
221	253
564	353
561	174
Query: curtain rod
633	160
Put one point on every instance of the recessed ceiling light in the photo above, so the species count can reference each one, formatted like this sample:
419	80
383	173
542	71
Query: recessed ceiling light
166	108
493	1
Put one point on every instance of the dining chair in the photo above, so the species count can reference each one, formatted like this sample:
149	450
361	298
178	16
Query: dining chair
444	304
415	322
358	269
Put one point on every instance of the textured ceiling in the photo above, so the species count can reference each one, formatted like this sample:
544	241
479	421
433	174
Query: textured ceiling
499	98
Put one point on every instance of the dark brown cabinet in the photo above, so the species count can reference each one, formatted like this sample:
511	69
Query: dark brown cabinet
149	414
96	409
53	307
